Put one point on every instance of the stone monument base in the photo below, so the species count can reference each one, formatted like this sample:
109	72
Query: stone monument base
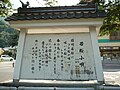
50	85
55	85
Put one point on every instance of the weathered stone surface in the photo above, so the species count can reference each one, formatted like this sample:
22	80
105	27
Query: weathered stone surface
36	88
52	88
7	88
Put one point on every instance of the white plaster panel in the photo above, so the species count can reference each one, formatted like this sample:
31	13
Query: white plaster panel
58	57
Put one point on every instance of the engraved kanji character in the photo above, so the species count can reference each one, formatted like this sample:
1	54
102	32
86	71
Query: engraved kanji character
81	43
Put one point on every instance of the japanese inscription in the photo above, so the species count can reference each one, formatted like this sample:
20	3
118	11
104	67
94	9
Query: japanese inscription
59	56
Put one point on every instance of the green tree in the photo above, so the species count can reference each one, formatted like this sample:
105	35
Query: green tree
111	22
4	39
5	8
3	24
8	36
50	3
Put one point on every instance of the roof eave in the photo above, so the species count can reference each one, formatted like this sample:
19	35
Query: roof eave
57	22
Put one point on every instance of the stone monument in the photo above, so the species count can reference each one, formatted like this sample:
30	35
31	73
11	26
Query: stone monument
58	43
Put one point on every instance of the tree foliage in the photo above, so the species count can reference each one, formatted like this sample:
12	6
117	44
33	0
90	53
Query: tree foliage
50	3
5	8
8	35
112	22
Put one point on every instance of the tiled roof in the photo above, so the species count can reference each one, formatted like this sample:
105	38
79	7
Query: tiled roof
62	12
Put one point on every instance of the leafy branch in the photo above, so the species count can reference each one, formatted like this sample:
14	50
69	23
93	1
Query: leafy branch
5	8
112	22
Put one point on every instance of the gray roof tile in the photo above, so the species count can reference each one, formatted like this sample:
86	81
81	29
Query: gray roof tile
62	12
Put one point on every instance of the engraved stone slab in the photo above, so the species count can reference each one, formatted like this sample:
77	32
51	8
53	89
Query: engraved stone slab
59	57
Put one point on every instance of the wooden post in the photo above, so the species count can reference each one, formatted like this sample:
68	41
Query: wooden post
20	49
96	52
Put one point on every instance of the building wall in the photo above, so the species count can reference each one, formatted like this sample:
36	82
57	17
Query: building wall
109	49
1	51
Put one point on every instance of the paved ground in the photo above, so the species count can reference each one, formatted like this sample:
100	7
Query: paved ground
6	71
111	64
112	78
111	72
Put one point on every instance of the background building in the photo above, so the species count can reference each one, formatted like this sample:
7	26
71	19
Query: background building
110	46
